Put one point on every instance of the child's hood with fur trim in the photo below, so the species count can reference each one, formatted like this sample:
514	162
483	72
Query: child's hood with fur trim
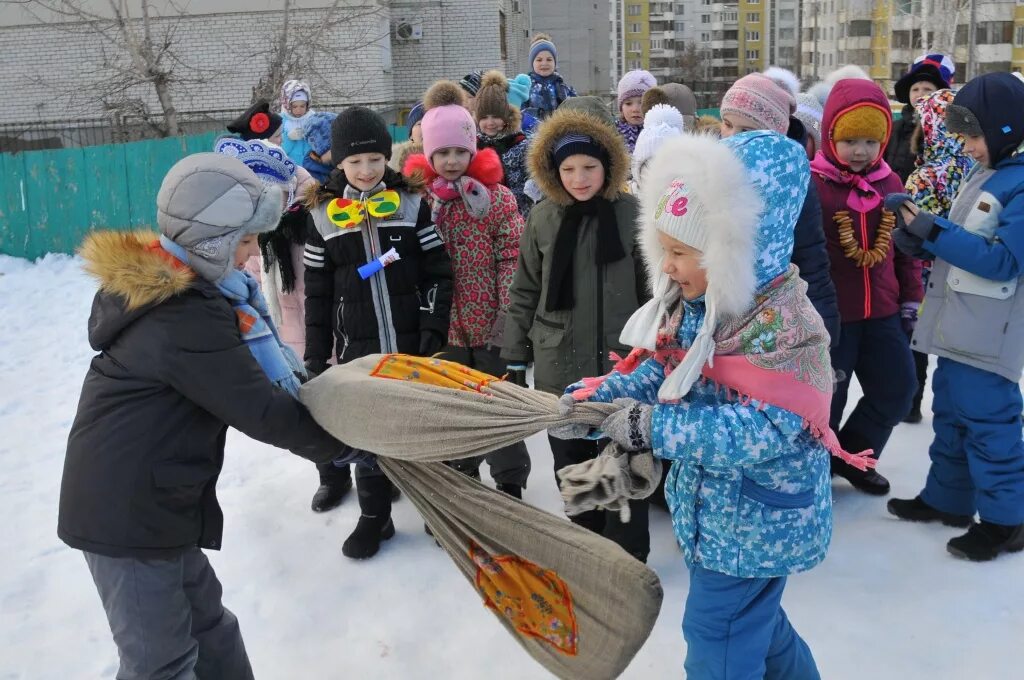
562	122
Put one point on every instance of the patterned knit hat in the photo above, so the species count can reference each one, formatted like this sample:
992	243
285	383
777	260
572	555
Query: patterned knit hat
471	82
269	161
809	112
760	99
937	69
294	90
634	84
542	42
447	122
861	122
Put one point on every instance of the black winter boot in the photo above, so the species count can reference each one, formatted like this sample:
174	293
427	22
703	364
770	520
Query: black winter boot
335	483
985	541
513	490
916	510
375	523
868	481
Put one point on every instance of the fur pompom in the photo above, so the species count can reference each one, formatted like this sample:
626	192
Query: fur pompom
652	98
784	78
542	36
848	72
444	93
494	79
663	114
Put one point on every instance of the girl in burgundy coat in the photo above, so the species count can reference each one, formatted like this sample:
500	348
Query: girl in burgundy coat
878	288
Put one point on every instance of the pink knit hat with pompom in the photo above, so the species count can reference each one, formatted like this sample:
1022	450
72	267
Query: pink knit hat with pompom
447	122
762	100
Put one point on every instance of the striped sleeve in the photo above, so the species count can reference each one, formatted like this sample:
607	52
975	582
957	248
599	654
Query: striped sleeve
313	256
429	238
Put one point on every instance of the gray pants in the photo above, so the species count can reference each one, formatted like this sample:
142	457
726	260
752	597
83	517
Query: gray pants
167	618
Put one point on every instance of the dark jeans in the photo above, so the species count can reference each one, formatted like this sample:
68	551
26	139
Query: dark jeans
876	351
167	618
632	536
510	464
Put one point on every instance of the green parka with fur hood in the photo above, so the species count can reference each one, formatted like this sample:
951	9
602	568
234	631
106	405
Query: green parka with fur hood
567	344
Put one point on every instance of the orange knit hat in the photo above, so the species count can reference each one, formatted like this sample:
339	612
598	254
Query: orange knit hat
861	122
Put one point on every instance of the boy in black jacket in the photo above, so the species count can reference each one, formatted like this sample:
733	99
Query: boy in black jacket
378	280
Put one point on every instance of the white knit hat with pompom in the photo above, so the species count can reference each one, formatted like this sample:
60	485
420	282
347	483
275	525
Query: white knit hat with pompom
661	123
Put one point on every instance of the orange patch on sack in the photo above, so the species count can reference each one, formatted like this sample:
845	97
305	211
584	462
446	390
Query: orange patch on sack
429	371
246	322
534	600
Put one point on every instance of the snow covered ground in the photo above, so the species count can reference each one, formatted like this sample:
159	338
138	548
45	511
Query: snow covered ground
889	602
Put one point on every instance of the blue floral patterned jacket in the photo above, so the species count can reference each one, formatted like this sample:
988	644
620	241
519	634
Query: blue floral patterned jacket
749	488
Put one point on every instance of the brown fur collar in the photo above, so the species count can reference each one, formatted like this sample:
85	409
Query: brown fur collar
562	122
125	265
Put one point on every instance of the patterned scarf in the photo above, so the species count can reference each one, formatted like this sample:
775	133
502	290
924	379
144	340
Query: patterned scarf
473	194
277	360
942	164
863	196
776	353
629	133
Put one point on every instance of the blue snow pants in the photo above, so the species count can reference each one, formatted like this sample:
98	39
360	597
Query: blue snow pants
978	454
735	629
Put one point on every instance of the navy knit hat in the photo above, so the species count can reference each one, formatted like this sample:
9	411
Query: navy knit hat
542	42
415	115
575	143
937	69
471	82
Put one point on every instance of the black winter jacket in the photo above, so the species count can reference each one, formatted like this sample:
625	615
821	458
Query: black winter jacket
810	254
172	373
898	155
349	317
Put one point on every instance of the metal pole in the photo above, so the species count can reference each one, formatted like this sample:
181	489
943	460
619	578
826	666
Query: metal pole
971	35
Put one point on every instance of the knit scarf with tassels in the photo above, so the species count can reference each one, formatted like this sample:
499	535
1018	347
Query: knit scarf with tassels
776	353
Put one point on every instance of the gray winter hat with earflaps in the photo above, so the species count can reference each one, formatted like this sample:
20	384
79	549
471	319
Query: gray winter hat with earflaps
207	203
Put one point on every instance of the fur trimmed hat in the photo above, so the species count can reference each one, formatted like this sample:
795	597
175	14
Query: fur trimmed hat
207	203
359	130
737	201
447	122
493	100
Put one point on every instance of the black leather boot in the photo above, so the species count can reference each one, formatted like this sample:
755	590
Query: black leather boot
375	523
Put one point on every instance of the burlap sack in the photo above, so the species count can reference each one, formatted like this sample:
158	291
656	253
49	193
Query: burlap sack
577	603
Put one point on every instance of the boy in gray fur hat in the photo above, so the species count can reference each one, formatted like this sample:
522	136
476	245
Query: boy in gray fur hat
185	350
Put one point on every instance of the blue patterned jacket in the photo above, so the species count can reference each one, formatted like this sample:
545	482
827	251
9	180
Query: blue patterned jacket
749	488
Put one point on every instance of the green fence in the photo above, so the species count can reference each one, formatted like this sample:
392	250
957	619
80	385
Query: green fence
49	200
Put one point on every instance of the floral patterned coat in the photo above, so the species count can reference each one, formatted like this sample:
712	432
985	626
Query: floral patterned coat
749	488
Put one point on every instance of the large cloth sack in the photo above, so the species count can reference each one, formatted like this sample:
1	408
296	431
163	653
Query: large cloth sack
576	602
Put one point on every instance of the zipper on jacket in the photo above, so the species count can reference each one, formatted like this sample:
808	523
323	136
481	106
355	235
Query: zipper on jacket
867	271
341	328
376	279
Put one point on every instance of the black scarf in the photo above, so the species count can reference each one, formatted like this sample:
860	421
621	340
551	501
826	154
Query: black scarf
609	248
276	246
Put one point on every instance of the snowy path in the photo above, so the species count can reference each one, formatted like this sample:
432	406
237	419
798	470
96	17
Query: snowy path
887	603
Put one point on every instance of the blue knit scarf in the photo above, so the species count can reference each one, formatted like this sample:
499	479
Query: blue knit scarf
277	360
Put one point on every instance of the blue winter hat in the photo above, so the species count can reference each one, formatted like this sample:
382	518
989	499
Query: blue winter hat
268	161
519	90
937	69
990	106
414	116
542	42
318	132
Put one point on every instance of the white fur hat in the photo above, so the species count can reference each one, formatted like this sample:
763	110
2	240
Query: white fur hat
661	123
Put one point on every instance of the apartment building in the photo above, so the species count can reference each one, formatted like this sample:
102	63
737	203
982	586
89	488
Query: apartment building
885	37
580	29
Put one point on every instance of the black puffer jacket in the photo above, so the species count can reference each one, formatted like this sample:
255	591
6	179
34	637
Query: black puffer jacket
810	254
350	317
898	154
172	373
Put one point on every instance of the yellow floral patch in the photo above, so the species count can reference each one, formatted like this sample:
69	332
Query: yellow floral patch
430	371
534	600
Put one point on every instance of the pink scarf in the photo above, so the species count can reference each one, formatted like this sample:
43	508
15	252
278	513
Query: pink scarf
775	354
863	196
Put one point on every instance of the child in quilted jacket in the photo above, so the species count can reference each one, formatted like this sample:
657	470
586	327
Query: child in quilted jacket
730	380
547	90
479	222
500	128
877	287
933	186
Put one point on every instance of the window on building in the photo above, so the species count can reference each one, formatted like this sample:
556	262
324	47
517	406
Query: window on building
787	54
679	27
705	18
706	3
898	70
994	66
860	28
634	28
634	45
753	54
705	37
634	10
993	33
657	44
787	33
831	32
753	36
1018	37
787	15
753	2
900	39
753	17
503	34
